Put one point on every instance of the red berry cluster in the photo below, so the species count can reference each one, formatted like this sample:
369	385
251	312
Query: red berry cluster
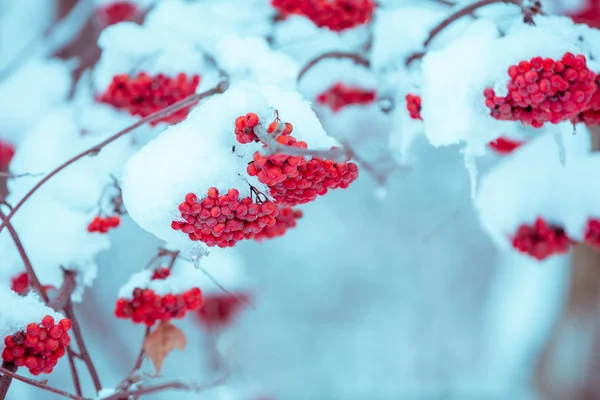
145	94
541	240
544	90
413	105
339	96
103	225
285	220
39	347
20	283
592	233
116	12
293	180
147	306
504	145
220	309
161	273
591	114
244	128
224	220
336	15
7	151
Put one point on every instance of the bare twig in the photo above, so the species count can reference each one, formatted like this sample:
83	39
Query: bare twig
177	385
6	380
357	58
39	384
74	373
9	175
83	352
128	381
28	267
181	104
65	292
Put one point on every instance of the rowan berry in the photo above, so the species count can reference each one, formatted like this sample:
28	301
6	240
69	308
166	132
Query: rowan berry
7	151
336	15
413	105
103	224
340	95
285	220
504	145
541	239
220	309
118	11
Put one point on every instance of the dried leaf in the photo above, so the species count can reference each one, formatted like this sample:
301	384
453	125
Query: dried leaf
158	344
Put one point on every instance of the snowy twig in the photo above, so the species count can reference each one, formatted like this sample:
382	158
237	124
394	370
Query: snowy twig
83	352
178	385
357	58
274	147
39	384
128	381
66	290
181	104
26	262
528	12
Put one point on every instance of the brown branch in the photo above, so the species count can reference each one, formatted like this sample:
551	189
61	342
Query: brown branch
6	380
357	58
74	373
9	175
128	381
174	255
28	267
467	10
39	384
181	104
83	352
66	290
178	385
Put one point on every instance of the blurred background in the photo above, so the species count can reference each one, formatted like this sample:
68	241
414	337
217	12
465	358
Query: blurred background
392	293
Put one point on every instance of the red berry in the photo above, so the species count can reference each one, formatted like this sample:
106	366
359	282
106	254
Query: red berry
48	322
65	324
541	240
285	220
336	15
339	96
7	151
20	284
118	11
504	145
33	329
413	105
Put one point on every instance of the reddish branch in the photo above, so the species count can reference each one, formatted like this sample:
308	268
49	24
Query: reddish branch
181	104
8	372
83	352
74	373
129	380
64	294
357	58
5	380
28	267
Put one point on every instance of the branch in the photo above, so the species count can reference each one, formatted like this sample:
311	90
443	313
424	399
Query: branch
357	58
177	385
6	380
274	147
83	352
28	267
124	385
467	10
66	290
181	104
39	384
74	373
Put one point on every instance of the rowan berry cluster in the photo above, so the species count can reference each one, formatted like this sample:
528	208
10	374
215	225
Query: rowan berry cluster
592	233
161	273
336	15
504	145
413	105
590	116
146	306
118	11
339	96
7	151
220	309
544	90
541	239
224	220
285	220
104	224
20	283
39	346
293	180
144	94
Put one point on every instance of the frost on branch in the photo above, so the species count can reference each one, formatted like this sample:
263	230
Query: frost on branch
202	153
543	203
481	60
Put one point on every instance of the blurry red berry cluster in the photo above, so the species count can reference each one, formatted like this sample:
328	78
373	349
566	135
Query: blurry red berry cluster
336	15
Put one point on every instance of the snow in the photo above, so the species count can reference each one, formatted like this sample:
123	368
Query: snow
19	311
225	268
534	183
157	178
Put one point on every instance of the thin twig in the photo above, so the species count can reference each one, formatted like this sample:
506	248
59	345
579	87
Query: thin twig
357	58
181	104
9	175
74	373
28	267
174	255
66	290
177	385
6	380
40	384
85	356
124	385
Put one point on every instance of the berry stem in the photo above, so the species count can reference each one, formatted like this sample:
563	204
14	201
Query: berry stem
128	381
5	379
178	385
28	267
74	373
8	372
186	102
173	256
83	352
467	10
357	58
